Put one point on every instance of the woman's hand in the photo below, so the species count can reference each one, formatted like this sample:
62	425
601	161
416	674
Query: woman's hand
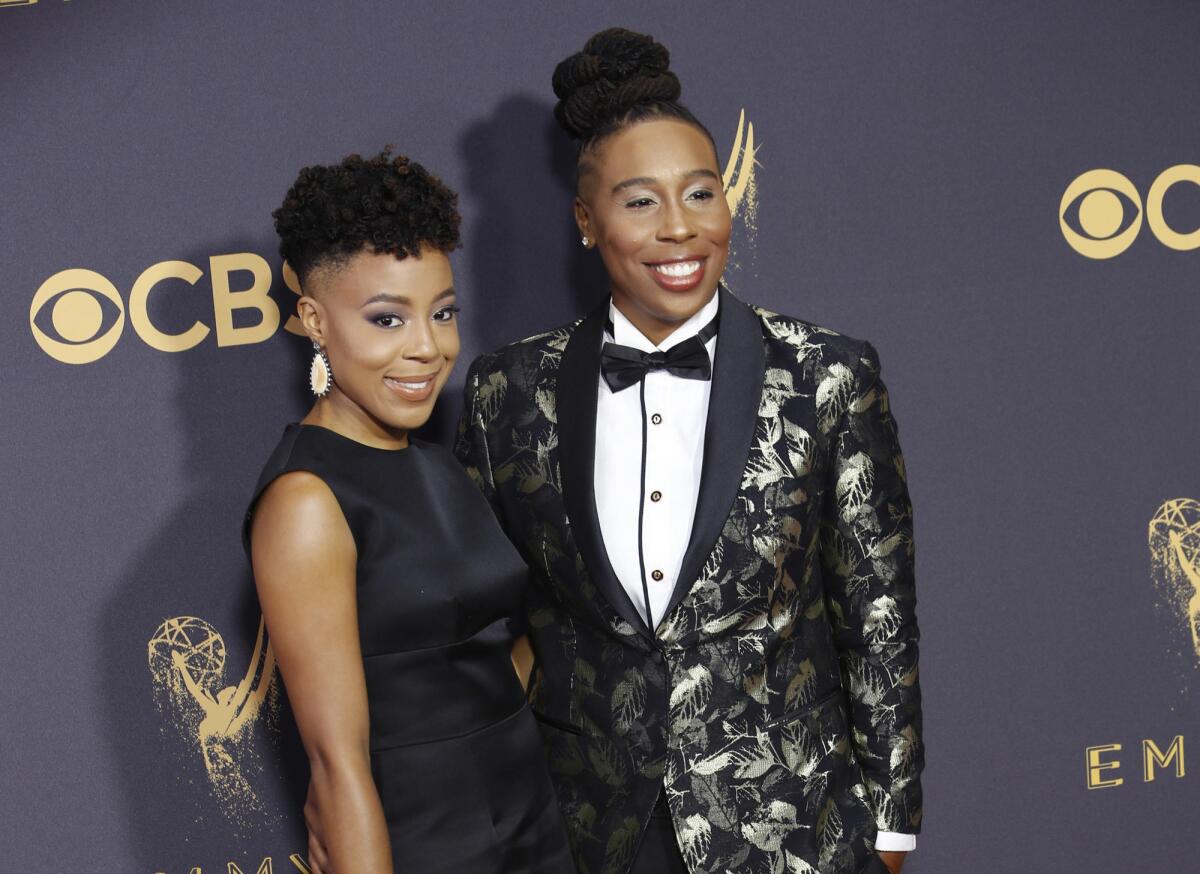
893	859
318	858
522	659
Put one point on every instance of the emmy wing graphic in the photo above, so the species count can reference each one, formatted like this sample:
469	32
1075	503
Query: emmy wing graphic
187	661
741	190
738	179
1175	558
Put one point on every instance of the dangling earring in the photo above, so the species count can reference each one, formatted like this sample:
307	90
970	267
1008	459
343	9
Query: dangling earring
585	241
320	374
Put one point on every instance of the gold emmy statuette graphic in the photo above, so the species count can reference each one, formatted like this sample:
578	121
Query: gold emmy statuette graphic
1175	557
187	661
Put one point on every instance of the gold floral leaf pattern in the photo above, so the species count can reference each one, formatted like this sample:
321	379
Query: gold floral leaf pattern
628	701
796	865
695	836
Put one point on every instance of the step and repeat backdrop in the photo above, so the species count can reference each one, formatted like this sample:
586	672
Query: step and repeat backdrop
1003	197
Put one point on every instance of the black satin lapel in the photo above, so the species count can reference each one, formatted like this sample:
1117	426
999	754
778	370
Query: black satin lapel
732	415
578	385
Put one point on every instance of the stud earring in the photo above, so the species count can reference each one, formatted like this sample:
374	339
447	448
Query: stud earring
320	374
585	241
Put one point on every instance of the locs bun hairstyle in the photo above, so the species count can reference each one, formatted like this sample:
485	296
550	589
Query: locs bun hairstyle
384	203
619	79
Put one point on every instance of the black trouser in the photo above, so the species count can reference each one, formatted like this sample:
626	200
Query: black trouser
659	851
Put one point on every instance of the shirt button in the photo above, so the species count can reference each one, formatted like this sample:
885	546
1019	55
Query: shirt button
656	419
656	496
656	576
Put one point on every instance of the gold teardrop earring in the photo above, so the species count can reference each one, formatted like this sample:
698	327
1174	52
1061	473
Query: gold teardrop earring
320	374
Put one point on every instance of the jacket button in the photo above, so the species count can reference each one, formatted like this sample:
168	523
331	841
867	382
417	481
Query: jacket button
656	419
656	576
656	496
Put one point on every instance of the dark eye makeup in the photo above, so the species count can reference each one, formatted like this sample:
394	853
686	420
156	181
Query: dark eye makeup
395	320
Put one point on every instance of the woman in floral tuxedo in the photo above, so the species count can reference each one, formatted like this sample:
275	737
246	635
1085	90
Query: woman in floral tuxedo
713	502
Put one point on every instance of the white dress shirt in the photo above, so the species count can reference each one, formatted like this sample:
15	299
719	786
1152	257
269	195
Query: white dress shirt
676	416
647	557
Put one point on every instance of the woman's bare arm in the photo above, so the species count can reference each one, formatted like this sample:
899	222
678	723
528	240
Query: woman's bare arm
304	567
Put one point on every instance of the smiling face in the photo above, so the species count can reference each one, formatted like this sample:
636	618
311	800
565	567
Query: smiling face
390	329
650	198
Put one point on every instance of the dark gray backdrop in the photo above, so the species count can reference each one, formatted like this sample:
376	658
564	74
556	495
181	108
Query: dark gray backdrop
912	160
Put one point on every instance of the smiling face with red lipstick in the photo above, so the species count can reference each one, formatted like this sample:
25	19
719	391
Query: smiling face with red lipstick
650	199
389	327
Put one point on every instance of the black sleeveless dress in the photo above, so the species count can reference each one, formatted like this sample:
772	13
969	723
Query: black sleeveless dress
455	752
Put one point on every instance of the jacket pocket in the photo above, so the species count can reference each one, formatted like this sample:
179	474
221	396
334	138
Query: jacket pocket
813	737
805	709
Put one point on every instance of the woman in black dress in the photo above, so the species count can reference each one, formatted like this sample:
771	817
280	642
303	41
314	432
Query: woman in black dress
386	584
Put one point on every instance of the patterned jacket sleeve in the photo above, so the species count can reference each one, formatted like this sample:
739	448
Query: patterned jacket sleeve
474	454
867	560
471	446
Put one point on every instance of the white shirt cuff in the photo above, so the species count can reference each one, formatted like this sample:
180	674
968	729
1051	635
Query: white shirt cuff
889	842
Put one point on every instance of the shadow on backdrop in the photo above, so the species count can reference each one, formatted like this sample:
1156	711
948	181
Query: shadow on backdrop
526	271
171	720
523	247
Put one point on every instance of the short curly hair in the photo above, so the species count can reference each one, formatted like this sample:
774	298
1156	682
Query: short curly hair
386	203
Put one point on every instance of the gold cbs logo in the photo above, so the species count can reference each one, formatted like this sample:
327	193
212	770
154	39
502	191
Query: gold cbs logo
76	304
1101	212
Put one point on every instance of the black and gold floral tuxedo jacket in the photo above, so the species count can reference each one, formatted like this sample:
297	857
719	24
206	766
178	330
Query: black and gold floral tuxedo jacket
777	701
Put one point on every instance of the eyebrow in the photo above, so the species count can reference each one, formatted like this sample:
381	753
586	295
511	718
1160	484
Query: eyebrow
386	297
650	180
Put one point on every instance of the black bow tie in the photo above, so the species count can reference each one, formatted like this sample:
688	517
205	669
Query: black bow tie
623	366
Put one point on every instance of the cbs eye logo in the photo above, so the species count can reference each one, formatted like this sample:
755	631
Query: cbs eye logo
1101	212
77	316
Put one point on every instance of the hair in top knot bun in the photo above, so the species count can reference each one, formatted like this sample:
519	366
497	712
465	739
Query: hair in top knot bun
619	79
